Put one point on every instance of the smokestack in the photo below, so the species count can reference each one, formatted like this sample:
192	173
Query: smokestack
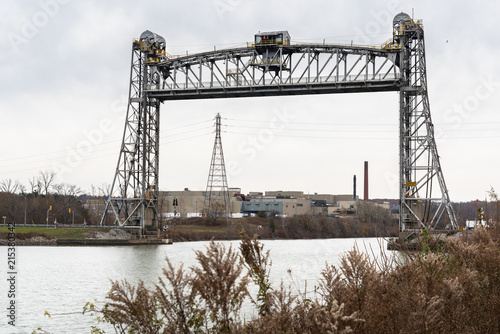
366	181
354	188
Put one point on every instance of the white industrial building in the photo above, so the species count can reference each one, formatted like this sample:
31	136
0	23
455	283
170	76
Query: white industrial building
190	203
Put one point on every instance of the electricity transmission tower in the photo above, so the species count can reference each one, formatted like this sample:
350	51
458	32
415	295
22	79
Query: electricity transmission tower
217	195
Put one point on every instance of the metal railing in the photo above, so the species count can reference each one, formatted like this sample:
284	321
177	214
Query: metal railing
268	42
285	43
76	226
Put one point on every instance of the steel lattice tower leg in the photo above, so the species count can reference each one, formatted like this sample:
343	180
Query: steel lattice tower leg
422	201
217	195
134	191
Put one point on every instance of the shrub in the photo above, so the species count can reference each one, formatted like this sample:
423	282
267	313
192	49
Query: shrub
457	291
262	214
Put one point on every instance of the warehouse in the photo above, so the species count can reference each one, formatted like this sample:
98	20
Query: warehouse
189	203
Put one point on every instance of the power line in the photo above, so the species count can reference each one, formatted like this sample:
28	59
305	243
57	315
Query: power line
356	124
313	130
354	138
314	123
48	154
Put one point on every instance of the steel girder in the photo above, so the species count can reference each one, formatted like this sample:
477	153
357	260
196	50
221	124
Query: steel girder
287	70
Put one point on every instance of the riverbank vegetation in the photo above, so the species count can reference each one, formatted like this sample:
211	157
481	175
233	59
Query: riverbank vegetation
26	233
374	222
44	201
298	227
457	291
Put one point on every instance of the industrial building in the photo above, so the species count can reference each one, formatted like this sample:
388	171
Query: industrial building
190	203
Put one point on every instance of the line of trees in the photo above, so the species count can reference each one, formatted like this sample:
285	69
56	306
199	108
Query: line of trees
489	207
44	201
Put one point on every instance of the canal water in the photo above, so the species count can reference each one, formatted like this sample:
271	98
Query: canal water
60	280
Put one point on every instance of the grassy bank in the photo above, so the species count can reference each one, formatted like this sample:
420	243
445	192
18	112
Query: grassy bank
195	229
301	227
23	233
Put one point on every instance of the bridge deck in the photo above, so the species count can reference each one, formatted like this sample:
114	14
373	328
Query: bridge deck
275	90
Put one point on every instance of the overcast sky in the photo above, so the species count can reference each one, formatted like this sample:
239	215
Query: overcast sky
65	69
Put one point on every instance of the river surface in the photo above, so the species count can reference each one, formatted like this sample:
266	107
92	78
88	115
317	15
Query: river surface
60	280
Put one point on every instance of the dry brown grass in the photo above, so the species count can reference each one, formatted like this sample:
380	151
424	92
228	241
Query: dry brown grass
299	227
431	292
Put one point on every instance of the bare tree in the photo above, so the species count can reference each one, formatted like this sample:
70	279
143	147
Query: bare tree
9	186
67	196
495	200
22	189
65	189
35	185
104	190
96	203
46	179
215	211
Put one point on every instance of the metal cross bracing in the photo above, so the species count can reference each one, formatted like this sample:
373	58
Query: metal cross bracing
134	191
423	203
285	69
217	195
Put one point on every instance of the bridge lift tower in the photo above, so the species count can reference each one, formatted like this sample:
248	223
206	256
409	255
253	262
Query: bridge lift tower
133	199
418	155
274	66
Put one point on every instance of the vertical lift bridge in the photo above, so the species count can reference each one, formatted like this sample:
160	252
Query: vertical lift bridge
274	66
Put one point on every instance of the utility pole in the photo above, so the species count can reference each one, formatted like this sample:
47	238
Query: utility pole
50	209
24	196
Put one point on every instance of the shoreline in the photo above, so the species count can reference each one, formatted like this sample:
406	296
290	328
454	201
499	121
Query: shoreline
202	230
40	241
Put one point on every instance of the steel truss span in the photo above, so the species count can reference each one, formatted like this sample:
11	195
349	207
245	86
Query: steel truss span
288	70
272	66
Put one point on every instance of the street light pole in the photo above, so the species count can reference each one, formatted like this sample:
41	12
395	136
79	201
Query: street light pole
50	209
4	220
25	198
